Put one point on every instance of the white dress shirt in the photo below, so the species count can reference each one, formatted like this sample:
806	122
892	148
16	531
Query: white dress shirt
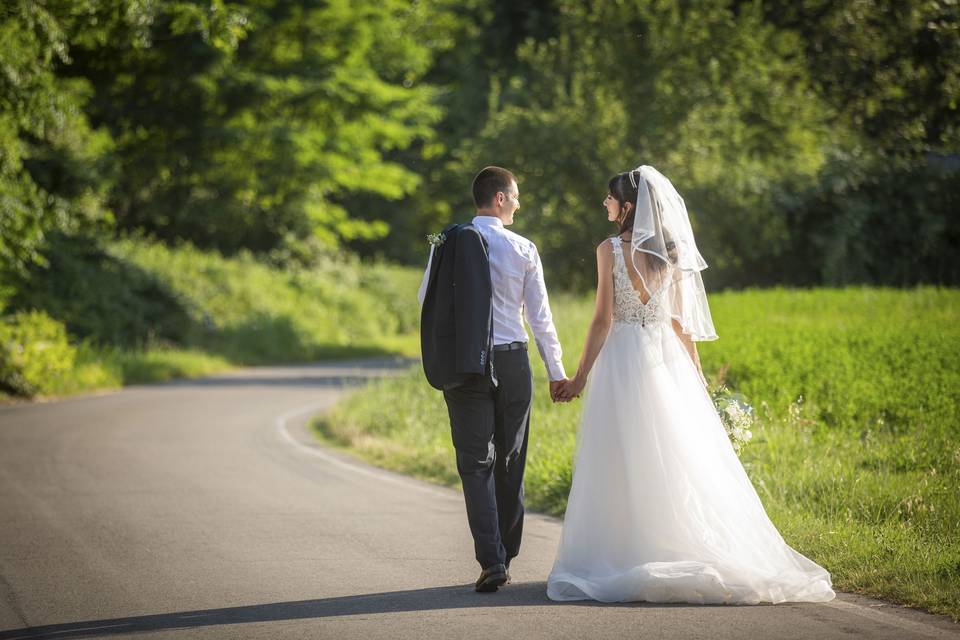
518	291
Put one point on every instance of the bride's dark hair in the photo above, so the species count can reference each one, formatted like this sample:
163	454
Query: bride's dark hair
623	192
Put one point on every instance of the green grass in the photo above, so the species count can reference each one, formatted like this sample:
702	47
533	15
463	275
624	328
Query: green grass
250	313
861	475
122	367
137	311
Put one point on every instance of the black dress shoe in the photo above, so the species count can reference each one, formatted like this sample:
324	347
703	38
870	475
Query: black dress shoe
491	579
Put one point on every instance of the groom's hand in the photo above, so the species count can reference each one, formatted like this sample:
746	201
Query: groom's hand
556	386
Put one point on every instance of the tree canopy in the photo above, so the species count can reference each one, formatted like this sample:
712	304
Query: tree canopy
805	136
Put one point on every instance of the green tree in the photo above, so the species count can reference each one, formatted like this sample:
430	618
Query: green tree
882	209
889	68
714	97
57	161
261	141
475	43
50	154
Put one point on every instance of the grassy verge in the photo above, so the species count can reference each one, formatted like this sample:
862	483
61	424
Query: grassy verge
132	311
857	451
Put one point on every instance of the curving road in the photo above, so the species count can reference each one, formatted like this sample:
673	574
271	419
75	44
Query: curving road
202	509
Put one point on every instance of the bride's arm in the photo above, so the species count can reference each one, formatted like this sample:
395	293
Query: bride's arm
691	348
600	325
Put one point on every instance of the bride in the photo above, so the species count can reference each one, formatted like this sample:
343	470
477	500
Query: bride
660	508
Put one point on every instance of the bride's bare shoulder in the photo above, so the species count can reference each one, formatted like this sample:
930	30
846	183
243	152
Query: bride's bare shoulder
605	250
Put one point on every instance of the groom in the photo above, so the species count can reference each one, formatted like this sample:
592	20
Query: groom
481	280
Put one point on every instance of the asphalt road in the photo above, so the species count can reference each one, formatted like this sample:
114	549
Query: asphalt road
203	509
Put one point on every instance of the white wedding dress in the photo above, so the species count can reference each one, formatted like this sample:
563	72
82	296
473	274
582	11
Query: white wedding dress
661	509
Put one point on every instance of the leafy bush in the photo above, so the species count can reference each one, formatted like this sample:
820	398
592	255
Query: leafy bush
870	221
35	353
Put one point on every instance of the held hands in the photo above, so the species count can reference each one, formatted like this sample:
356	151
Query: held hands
566	390
555	387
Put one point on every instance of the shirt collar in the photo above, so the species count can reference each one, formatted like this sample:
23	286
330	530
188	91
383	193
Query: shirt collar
490	221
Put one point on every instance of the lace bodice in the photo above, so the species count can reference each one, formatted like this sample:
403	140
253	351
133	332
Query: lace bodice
627	305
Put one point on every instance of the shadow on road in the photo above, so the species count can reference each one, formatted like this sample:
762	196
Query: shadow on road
432	599
331	374
288	381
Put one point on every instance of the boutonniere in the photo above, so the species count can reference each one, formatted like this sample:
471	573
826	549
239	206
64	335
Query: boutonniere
436	239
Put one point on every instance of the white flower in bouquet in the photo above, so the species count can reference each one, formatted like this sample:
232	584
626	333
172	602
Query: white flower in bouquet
736	415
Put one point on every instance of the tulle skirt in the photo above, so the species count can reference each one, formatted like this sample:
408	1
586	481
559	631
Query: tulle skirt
660	509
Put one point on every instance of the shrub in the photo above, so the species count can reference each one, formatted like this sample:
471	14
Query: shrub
34	353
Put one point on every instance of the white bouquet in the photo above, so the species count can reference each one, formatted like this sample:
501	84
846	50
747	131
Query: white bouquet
736	415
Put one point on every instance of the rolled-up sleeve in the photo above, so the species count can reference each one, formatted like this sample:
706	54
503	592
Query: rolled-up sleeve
536	308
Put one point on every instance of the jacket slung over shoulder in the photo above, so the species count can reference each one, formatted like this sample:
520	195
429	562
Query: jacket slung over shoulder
456	318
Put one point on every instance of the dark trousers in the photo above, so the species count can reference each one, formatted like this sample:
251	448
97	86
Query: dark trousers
490	426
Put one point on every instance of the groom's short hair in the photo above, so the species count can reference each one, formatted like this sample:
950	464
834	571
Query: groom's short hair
488	182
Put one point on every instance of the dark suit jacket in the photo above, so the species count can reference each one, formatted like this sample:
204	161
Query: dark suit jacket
456	320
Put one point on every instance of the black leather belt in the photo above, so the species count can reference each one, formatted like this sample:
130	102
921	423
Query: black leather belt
513	346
